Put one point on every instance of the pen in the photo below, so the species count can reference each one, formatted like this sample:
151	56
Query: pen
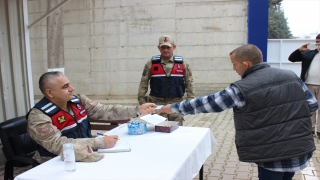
99	134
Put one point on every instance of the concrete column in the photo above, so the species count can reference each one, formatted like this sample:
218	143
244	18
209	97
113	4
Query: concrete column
55	37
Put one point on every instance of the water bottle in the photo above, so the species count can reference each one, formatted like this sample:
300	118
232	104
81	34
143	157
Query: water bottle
69	157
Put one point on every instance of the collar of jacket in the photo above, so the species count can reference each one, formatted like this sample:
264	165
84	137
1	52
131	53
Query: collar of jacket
255	67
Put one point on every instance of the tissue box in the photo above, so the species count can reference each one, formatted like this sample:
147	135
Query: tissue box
166	126
136	128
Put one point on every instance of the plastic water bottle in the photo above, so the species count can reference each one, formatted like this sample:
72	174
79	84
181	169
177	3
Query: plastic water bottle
69	157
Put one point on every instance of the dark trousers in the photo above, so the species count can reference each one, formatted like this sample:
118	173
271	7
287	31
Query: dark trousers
265	174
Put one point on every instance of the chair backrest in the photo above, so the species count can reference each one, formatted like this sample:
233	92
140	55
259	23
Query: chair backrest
15	140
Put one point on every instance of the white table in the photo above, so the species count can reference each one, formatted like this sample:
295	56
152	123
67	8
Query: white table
154	155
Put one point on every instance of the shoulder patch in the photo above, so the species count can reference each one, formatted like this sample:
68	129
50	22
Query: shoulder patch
45	131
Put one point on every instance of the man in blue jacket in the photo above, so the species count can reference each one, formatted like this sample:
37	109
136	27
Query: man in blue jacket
272	109
310	74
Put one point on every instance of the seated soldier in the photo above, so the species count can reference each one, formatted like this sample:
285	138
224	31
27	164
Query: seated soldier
61	117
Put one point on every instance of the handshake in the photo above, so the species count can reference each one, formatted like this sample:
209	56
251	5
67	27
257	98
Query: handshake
151	108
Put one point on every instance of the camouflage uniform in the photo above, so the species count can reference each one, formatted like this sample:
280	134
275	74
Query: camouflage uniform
41	129
144	84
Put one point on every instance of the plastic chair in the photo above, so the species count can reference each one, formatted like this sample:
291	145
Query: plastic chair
18	148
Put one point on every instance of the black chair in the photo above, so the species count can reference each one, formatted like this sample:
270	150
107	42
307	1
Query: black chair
18	148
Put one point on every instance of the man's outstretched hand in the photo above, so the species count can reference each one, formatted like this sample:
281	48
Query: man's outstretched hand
147	108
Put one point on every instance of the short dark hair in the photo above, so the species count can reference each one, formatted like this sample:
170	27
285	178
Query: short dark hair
46	77
248	52
318	36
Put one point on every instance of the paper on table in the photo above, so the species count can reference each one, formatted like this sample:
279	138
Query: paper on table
121	146
153	119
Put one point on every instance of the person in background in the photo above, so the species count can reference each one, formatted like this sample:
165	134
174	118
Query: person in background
310	74
272	109
169	76
61	117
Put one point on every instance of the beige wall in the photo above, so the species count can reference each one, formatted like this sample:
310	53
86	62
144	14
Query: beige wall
107	42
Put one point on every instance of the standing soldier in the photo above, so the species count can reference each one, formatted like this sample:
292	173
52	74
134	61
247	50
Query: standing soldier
170	77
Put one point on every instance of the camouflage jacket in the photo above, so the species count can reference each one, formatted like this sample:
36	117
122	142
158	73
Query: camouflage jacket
41	129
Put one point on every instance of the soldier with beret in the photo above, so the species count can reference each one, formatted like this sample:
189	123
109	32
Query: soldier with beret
169	77
61	117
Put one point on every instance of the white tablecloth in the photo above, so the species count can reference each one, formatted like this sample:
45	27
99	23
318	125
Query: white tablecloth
154	155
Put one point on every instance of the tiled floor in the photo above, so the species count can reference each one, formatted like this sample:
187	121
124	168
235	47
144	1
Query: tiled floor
224	163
